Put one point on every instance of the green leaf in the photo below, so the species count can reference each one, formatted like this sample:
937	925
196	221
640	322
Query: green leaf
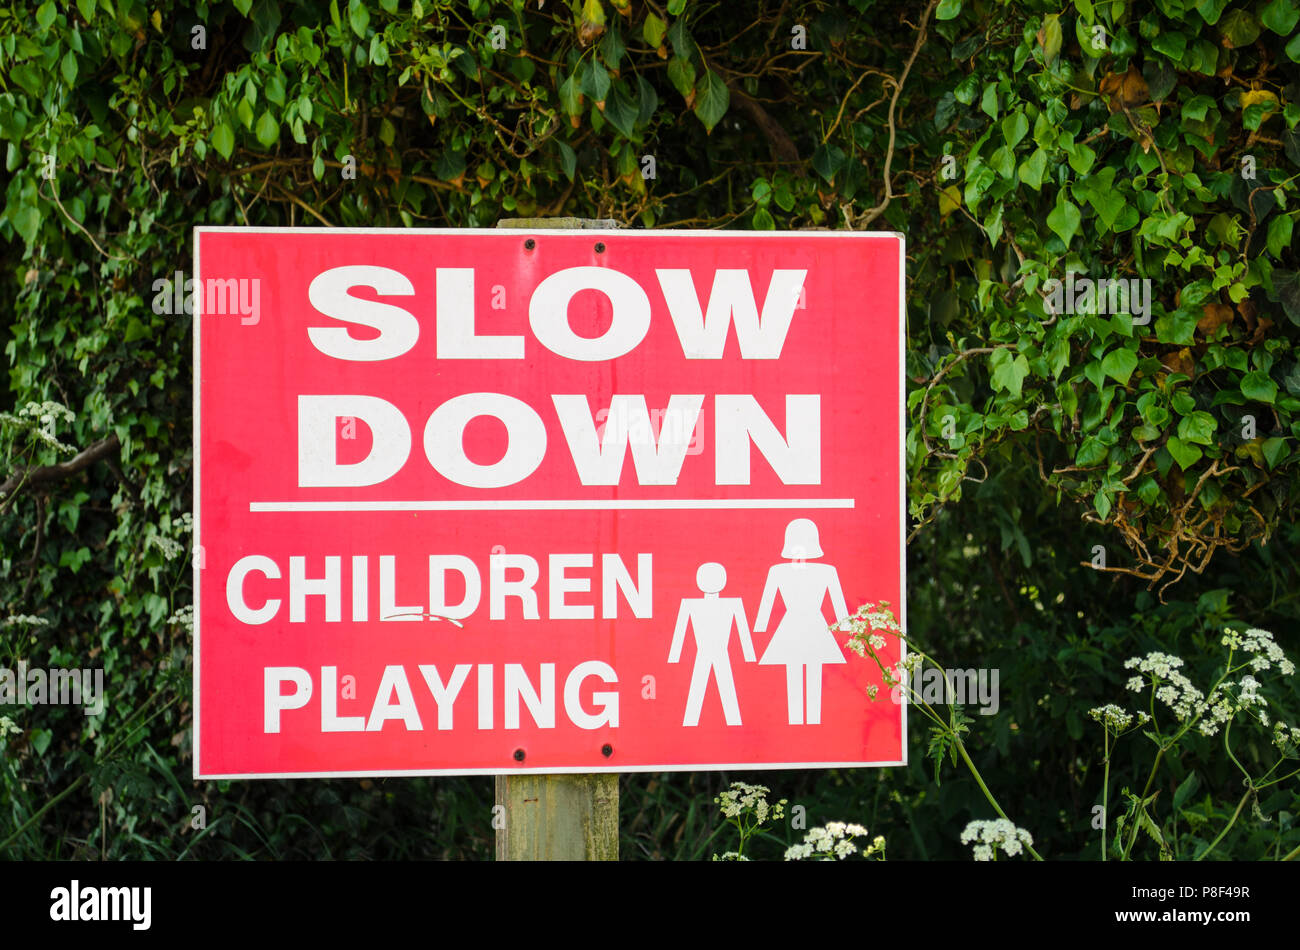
358	17
989	100
40	739
273	89
1008	373
653	29
1274	450
1172	45
135	330
268	130
568	159
68	67
1280	16
620	110
1064	219
681	74
827	160
1014	128
1185	789
595	81
570	97
451	165
87	8
45	14
223	139
1239	29
1051	38
26	221
1185	455
1033	169
711	100
1279	234
1258	387
1199	427
1286	291
947	9
1119	365
763	220
1196	107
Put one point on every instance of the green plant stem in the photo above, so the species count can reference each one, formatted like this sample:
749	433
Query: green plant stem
1105	791
44	808
985	789
1250	790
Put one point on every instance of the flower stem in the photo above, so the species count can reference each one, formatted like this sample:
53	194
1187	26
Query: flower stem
985	789
1250	790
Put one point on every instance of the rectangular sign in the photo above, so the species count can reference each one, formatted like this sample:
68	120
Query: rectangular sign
475	502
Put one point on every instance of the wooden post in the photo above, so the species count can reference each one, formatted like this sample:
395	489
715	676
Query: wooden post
558	817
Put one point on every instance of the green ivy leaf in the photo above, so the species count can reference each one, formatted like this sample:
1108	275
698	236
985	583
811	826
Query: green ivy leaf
1033	169
1185	455
827	160
1258	387
1064	219
711	100
1008	373
1279	234
947	9
1239	29
1280	16
40	739
1119	365
1199	427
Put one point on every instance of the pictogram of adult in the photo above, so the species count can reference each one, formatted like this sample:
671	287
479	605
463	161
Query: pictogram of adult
803	642
711	618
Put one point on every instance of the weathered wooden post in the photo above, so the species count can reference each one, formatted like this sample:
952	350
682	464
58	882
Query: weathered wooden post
558	817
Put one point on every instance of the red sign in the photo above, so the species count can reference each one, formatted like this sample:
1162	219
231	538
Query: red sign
543	501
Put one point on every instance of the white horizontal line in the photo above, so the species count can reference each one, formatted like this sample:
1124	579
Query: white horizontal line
556	504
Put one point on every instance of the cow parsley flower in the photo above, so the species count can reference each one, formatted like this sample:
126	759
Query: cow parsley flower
15	620
1116	719
991	835
834	842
